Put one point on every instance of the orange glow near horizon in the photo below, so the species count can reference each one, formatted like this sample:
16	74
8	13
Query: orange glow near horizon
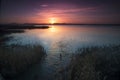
52	20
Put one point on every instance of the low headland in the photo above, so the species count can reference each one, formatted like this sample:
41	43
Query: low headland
17	28
6	29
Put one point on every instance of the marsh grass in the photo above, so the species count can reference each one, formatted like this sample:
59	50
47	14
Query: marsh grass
95	63
15	59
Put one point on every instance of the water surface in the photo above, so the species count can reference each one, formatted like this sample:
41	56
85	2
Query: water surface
62	39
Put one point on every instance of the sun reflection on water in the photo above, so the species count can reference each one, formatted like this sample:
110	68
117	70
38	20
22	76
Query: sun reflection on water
52	29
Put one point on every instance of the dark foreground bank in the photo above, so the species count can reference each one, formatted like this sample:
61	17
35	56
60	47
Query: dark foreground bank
96	63
16	59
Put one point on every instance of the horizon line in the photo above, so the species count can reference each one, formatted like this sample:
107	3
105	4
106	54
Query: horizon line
62	23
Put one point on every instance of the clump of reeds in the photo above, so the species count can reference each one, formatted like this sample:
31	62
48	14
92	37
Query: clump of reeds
15	59
95	63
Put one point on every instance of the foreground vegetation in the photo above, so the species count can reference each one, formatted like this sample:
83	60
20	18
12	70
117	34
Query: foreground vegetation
96	63
15	59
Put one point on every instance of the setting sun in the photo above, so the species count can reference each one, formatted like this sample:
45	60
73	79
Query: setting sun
52	20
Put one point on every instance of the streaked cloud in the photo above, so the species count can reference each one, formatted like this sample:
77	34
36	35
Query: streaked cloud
44	5
67	10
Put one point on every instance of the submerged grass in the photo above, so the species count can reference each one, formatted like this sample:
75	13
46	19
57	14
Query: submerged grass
15	59
96	63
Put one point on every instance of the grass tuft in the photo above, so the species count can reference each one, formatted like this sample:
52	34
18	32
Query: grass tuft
95	63
15	59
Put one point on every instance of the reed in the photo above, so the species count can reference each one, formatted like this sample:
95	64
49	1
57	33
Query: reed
95	63
15	59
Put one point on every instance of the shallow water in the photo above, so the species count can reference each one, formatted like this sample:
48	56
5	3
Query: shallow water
62	40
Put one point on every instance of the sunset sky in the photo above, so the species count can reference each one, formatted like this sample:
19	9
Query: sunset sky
62	11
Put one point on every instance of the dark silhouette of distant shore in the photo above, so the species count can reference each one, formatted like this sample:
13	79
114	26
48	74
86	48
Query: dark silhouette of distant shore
22	26
69	24
17	28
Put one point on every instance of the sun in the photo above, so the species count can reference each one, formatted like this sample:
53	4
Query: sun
52	20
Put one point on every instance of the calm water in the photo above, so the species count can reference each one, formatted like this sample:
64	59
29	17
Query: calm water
76	35
62	39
